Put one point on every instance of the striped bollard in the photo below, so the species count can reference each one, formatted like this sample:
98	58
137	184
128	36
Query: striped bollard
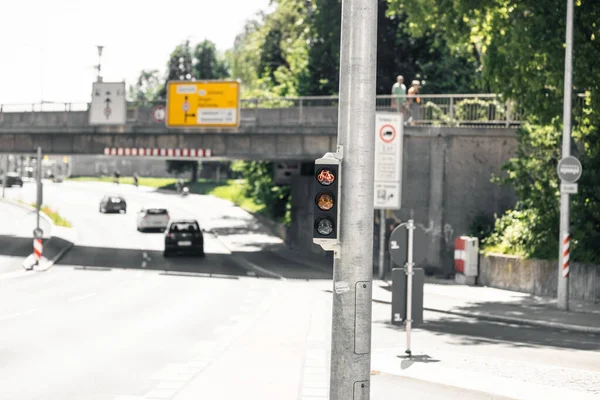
565	251
37	249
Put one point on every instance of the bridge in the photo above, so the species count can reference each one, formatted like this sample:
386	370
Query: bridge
275	129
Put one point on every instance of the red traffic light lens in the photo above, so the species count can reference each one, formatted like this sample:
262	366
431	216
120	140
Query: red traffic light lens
325	177
325	201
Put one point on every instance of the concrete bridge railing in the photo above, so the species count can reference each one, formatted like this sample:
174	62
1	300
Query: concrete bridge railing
457	110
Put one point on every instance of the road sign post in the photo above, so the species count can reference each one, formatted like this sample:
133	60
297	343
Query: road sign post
109	105
563	250
203	104
5	177
389	135
404	252
39	187
353	263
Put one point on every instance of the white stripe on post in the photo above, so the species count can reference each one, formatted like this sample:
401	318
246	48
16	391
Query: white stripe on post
566	252
208	153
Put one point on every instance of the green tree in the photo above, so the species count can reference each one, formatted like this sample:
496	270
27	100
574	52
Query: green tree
425	57
147	87
260	186
519	47
178	167
179	67
208	64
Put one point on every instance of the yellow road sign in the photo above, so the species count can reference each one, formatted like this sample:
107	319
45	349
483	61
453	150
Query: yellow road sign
203	104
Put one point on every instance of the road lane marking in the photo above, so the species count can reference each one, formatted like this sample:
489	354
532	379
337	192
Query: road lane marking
83	296
19	314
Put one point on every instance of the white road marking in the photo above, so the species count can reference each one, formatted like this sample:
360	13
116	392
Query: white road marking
83	296
19	314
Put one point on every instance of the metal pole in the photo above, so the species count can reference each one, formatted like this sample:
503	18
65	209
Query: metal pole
409	280
381	244
39	186
353	263
563	273
5	179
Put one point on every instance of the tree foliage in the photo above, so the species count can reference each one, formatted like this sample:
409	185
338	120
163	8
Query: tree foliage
146	89
178	167
260	186
519	47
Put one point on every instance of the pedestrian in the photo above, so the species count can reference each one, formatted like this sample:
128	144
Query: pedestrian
399	94
414	101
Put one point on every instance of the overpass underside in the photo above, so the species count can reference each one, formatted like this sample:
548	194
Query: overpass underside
208	146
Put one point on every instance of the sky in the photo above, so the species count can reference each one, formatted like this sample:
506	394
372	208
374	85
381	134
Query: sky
48	47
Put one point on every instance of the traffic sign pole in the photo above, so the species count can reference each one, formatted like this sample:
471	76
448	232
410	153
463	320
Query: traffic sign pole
381	244
409	282
353	263
39	186
563	274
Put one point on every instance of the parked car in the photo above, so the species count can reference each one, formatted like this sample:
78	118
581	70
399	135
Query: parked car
12	179
153	218
113	203
184	236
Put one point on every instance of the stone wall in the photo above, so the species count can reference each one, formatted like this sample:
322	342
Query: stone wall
538	277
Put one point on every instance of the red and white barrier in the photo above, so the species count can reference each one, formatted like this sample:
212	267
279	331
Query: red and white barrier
156	152
37	249
466	256
565	252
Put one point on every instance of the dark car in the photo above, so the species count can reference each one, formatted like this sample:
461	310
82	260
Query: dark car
184	236
113	203
12	179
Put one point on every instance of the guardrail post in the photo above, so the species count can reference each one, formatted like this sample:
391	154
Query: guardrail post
508	113
451	112
301	119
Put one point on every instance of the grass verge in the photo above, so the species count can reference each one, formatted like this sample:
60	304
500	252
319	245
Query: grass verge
58	219
232	190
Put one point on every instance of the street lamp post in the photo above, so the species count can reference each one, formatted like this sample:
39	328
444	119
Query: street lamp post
99	66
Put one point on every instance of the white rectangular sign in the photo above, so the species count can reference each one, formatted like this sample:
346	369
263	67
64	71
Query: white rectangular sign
568	188
109	105
389	132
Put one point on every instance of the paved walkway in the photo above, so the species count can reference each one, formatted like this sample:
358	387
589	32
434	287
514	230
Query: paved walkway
485	303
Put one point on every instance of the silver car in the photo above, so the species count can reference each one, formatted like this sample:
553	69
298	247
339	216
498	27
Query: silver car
153	218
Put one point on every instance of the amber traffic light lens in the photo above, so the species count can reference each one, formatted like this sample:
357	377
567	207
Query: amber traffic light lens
325	177
324	226
325	201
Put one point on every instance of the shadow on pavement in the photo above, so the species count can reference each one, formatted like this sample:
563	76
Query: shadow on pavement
472	332
16	246
95	258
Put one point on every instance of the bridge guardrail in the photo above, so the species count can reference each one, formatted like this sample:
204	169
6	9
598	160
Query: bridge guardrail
473	110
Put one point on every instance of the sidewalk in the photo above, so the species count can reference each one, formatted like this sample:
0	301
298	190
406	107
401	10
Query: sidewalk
484	303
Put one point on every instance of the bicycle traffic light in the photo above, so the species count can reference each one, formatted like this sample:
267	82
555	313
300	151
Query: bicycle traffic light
327	180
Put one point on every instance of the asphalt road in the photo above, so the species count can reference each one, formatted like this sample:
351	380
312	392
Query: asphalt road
115	320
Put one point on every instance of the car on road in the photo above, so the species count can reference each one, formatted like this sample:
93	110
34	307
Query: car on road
113	203
153	218
12	179
184	236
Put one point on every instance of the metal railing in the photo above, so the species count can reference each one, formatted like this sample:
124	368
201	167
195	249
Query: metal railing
473	110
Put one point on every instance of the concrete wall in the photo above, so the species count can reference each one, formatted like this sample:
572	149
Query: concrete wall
446	184
538	277
100	165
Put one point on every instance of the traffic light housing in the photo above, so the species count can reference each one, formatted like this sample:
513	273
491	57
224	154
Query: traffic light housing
327	201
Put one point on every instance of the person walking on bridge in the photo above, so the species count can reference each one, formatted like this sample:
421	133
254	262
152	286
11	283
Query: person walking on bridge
399	93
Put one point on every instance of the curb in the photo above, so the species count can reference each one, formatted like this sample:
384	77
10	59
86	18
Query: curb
308	264
245	264
32	209
510	320
57	257
520	321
